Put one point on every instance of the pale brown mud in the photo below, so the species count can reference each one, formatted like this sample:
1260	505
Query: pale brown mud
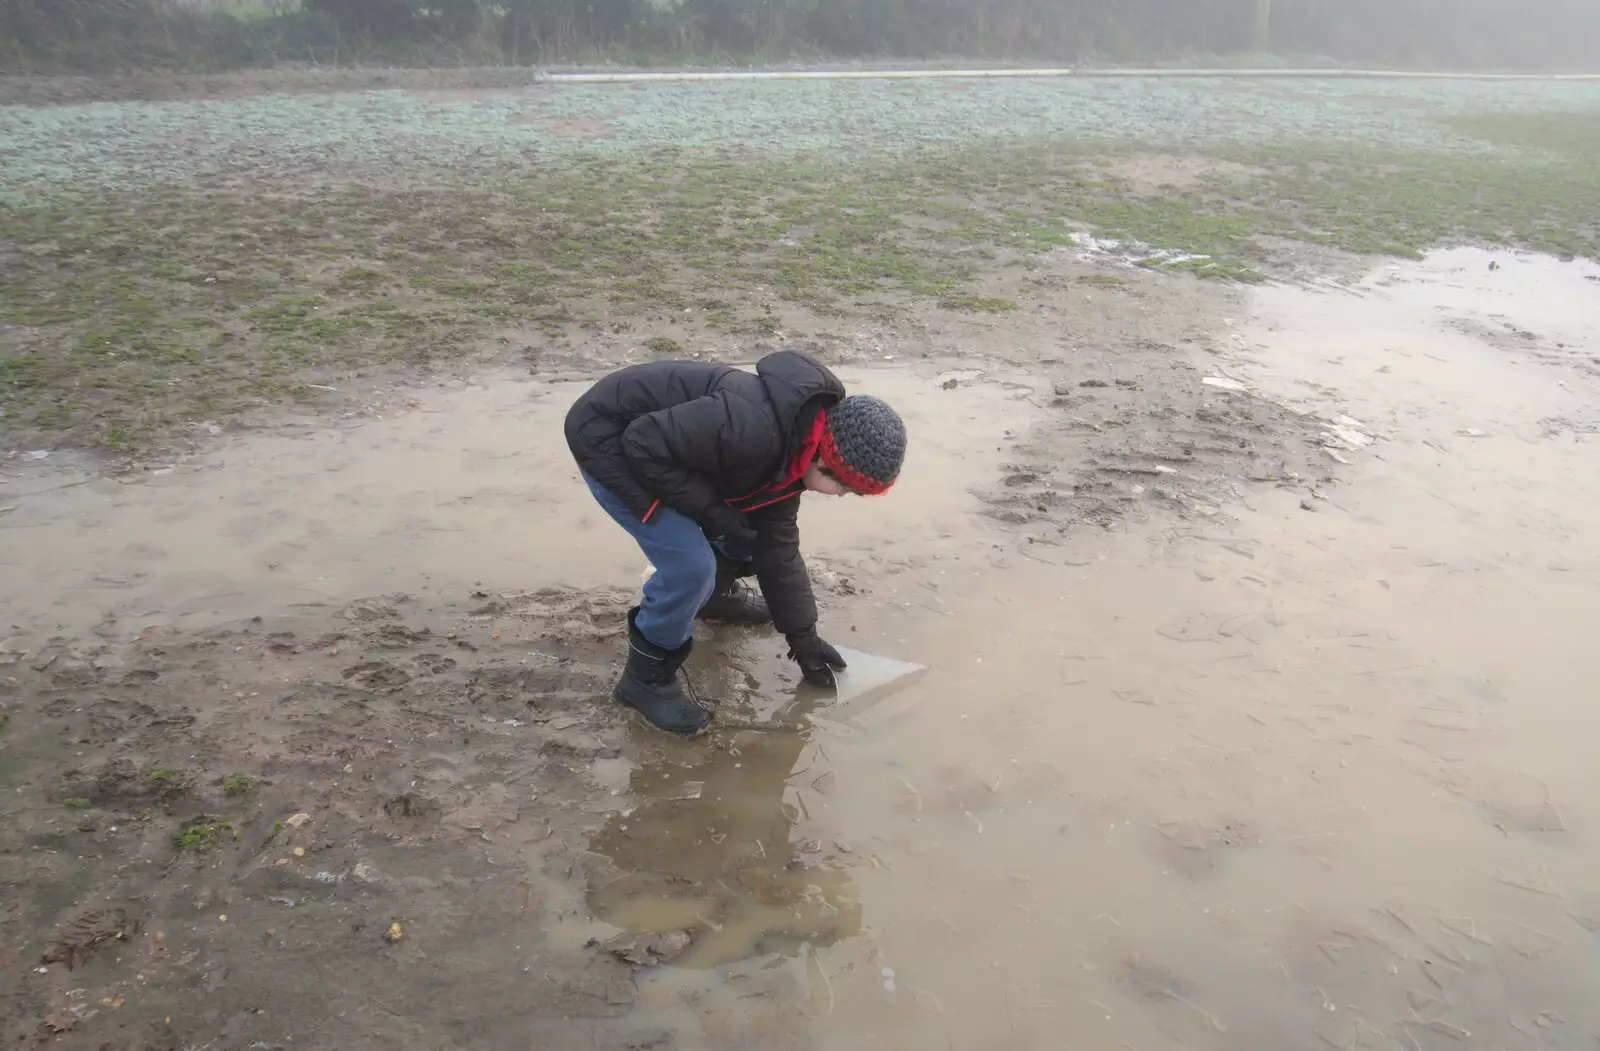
1293	756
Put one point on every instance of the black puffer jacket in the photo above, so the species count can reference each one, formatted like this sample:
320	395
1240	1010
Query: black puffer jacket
709	441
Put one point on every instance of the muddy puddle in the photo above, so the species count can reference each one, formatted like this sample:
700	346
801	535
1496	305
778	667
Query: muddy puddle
1312	769
473	487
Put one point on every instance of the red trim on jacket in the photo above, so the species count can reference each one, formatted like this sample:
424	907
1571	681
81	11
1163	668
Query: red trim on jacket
780	498
808	451
797	466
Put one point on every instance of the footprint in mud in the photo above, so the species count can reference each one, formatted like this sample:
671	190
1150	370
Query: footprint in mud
559	687
112	719
74	675
399	634
591	613
365	611
80	936
377	675
410	806
119	779
433	663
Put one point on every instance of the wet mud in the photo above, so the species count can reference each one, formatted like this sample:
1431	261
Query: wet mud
1254	716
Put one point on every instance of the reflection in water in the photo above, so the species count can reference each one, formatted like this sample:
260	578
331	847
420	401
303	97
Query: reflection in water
709	850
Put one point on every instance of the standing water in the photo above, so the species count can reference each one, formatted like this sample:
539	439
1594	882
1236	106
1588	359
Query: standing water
1318	774
1295	772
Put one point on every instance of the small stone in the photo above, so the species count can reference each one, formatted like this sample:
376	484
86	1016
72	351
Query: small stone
394	933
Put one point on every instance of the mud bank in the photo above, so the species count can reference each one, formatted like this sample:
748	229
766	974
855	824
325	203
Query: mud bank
1296	756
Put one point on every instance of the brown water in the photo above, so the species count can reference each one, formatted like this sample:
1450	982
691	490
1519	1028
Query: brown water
474	486
1310	778
1313	772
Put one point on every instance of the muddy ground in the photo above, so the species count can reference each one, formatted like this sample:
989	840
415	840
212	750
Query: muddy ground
1254	713
307	740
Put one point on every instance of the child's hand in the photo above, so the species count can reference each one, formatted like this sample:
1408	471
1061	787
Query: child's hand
736	544
730	526
818	660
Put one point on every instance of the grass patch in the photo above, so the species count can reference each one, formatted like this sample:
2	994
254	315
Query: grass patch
1223	269
203	832
77	803
1573	136
133	314
167	782
236	785
360	277
976	304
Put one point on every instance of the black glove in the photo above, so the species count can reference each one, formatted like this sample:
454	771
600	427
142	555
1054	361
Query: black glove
729	525
818	660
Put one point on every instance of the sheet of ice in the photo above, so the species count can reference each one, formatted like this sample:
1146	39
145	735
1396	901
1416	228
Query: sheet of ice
869	679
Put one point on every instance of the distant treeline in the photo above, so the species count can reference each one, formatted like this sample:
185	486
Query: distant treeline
39	36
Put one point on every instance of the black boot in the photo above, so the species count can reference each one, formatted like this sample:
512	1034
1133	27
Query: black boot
732	602
650	685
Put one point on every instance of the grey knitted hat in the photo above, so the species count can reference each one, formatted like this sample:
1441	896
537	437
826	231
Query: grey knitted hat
864	444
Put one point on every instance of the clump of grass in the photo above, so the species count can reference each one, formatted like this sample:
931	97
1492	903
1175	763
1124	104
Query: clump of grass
202	832
236	785
360	277
76	803
976	304
1223	269
663	345
167	782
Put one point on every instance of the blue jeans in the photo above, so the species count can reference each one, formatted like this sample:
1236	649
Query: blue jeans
685	563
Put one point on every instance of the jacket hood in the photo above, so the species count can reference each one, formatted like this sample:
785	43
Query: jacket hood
798	386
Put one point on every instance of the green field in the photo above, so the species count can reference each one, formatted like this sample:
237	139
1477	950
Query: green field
171	262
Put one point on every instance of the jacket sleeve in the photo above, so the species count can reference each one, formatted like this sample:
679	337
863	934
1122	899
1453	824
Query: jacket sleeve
676	452
781	570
